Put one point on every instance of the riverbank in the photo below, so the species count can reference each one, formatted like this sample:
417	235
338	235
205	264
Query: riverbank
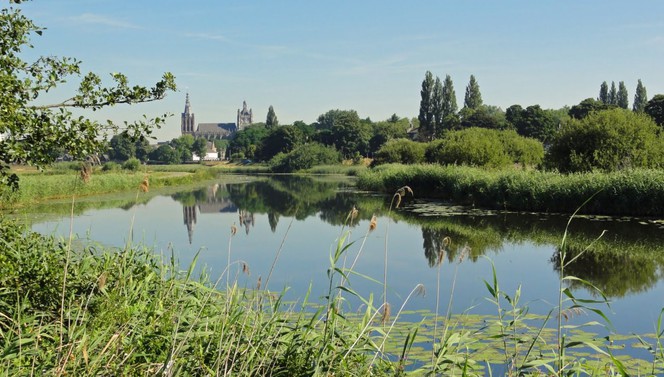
626	193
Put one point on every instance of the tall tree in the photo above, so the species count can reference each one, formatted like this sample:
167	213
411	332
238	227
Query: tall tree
271	118
473	98
449	103
655	108
613	94
623	98
33	130
640	98
426	116
438	115
604	93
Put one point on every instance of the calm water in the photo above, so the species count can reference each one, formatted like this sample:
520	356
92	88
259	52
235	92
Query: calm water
307	216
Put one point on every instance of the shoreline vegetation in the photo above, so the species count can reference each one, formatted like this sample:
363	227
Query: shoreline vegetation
636	192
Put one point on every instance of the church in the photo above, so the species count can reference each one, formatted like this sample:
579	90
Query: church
211	131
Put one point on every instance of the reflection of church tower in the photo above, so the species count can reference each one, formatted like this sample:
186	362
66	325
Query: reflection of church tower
189	214
244	117
187	122
246	219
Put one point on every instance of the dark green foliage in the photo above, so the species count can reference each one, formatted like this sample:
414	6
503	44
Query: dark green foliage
484	147
532	122
604	93
34	131
613	94
122	147
271	120
655	108
588	106
199	147
131	164
245	142
402	151
438	110
607	140
483	116
385	131
473	97
280	140
426	115
110	166
165	154
640	98
304	157
622	98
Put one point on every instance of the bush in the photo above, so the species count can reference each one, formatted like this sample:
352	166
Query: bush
607	140
110	166
402	151
131	164
304	157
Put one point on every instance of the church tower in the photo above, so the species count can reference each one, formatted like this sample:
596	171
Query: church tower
244	117
187	123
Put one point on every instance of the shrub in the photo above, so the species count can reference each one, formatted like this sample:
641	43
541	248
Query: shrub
110	166
304	157
607	140
402	151
131	164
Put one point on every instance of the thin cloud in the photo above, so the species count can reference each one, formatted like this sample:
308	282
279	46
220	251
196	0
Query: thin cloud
209	36
98	19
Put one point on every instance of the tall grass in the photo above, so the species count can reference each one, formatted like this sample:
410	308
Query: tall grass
635	192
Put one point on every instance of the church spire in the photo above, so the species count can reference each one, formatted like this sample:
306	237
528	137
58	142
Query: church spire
187	105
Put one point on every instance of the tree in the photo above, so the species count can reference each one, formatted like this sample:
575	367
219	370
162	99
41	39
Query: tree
199	147
655	108
165	154
449	106
245	143
33	131
473	98
122	147
271	118
607	140
304	157
640	98
613	94
385	131
587	106
402	151
426	116
183	146
437	103
604	93
280	140
622	99
485	116
532	122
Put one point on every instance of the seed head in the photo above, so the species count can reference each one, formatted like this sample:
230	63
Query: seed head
373	223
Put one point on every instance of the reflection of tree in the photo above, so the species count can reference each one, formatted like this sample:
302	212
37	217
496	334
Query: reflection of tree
477	242
273	219
616	272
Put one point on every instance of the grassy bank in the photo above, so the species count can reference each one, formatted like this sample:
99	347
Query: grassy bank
60	183
633	192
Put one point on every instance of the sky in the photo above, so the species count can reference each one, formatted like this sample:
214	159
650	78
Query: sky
307	57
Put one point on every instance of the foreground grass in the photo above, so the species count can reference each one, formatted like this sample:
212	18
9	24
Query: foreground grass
630	192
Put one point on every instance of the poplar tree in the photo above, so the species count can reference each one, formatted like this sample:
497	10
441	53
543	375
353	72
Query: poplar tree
604	92
449	101
640	98
622	99
271	120
438	114
613	94
426	117
473	98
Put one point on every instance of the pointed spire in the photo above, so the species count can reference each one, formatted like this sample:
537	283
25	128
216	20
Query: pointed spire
187	105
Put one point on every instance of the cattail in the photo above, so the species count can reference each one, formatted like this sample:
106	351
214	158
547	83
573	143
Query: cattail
373	224
441	257
464	253
245	269
145	185
352	215
386	313
398	196
101	282
258	283
233	229
86	172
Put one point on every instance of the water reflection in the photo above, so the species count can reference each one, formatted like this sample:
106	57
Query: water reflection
628	259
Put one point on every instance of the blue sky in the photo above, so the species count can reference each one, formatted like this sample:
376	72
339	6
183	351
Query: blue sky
307	57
